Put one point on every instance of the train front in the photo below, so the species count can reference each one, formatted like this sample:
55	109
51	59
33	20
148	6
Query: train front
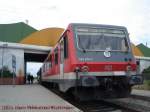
106	67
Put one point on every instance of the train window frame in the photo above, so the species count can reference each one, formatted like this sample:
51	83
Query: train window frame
44	68
50	61
52	54
61	43
56	55
66	51
125	39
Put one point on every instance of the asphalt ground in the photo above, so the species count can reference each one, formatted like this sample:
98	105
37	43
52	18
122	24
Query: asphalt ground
31	98
145	93
36	98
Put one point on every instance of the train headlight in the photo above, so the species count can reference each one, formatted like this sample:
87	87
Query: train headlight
85	69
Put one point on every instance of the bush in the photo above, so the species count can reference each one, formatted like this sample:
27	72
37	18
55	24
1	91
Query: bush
6	72
147	82
146	73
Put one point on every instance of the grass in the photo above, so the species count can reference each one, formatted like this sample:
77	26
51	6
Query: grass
144	86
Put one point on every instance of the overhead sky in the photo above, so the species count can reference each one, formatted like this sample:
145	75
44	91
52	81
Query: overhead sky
134	14
40	14
33	68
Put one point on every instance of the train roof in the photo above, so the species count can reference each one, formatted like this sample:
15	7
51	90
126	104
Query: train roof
96	25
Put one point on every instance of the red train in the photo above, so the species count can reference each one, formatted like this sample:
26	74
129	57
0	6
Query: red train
92	61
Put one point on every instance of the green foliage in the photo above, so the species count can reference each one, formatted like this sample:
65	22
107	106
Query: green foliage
147	82
144	86
6	72
146	70
146	73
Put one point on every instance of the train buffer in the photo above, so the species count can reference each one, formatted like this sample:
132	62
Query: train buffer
32	98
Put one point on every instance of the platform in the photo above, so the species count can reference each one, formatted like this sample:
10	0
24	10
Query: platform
141	92
32	98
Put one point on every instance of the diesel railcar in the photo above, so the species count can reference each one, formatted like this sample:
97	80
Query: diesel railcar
92	61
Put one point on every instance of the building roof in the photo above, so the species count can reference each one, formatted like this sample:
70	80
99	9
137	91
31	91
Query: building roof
45	37
136	50
15	32
144	49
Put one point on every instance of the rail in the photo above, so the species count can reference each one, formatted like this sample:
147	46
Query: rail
94	106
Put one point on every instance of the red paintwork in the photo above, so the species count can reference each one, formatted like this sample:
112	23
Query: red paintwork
72	61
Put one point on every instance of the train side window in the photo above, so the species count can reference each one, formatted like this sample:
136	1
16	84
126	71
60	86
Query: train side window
50	61
65	47
56	56
44	68
47	66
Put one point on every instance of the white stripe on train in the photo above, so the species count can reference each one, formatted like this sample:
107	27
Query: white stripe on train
72	75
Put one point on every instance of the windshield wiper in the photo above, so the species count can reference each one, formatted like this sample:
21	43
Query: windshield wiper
83	50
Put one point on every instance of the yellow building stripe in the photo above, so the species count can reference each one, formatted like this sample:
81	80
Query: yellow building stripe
136	51
45	37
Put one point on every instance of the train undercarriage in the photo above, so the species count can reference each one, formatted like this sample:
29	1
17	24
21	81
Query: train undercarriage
109	87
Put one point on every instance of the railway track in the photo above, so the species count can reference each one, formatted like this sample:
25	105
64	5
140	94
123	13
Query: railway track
96	106
141	97
93	106
134	102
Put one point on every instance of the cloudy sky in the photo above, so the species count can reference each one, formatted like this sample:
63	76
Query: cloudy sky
134	14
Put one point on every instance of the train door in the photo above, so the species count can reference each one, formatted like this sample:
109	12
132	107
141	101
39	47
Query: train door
62	59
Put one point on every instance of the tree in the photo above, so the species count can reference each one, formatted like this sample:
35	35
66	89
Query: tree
6	72
146	73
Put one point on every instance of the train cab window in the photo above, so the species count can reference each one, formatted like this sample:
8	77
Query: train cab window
65	47
99	39
56	56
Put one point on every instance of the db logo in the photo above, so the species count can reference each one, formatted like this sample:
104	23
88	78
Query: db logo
107	53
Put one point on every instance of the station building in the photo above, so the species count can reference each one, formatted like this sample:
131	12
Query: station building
20	43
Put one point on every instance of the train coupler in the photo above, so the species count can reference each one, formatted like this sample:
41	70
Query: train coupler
136	80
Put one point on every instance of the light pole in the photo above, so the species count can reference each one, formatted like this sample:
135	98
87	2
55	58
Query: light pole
3	46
